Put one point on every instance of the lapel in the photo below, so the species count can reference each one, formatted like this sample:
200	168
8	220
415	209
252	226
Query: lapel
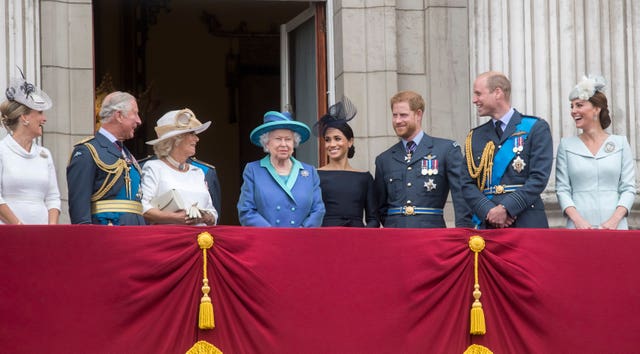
511	127
108	146
293	176
576	146
426	145
398	153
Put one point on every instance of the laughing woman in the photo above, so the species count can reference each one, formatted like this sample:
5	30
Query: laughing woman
595	173
172	175
28	186
346	192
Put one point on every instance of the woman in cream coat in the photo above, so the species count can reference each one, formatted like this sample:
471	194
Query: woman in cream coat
595	173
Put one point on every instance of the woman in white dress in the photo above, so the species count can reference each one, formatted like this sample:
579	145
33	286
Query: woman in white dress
173	190
595	172
28	186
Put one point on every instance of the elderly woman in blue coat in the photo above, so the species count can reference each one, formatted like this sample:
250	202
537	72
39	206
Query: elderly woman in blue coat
279	190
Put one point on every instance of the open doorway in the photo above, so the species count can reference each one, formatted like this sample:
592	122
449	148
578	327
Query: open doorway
221	59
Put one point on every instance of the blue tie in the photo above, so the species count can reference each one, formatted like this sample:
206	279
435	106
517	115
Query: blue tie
411	147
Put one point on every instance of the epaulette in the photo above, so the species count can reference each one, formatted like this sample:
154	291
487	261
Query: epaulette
202	162
84	140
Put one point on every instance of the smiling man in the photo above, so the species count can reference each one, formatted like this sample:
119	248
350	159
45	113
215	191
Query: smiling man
509	159
103	176
414	176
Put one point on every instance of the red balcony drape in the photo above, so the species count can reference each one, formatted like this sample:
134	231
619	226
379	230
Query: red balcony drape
99	289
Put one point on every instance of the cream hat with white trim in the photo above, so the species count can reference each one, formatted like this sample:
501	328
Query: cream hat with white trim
174	123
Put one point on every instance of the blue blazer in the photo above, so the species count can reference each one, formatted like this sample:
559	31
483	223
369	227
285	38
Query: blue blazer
266	200
525	204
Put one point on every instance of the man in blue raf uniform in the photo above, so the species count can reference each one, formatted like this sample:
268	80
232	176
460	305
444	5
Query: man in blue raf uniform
414	176
103	176
509	159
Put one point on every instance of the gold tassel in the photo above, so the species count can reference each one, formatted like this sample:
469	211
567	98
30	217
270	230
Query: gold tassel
205	316
477	349
478	327
203	347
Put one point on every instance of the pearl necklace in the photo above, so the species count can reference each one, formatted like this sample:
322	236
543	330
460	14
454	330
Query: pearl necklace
179	166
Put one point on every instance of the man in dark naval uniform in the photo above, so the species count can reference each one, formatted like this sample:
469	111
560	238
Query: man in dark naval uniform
103	176
414	176
509	159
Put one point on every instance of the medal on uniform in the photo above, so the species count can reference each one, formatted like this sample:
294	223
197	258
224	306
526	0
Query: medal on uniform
432	165
424	169
408	157
518	164
430	185
518	144
609	147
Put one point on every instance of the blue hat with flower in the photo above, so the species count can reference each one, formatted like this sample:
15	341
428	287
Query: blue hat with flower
279	120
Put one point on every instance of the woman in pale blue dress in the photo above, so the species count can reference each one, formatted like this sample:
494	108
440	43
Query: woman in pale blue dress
595	172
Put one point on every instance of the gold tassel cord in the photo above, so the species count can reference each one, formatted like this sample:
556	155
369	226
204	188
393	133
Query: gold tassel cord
114	171
482	172
478	327
205	318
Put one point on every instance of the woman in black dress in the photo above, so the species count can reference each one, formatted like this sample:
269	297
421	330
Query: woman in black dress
346	192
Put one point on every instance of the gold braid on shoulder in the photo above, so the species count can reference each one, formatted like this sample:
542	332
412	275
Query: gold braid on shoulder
114	170
482	172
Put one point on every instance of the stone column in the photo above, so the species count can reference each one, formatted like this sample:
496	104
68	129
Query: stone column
67	71
20	44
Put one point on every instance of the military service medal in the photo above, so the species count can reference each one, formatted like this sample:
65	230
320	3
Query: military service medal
518	163
407	158
518	144
431	165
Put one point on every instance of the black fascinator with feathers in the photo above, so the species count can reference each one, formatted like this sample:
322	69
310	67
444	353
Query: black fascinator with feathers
337	116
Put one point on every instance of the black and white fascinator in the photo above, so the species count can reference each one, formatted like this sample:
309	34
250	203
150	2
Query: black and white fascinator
587	87
27	94
339	114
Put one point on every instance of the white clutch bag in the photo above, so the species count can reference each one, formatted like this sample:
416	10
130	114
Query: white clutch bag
169	201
